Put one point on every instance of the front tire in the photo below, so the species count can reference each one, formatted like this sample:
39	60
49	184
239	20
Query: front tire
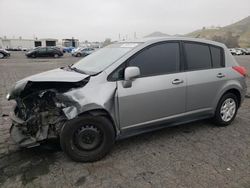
87	138
226	109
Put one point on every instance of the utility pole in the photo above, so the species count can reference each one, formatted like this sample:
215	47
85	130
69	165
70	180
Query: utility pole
135	35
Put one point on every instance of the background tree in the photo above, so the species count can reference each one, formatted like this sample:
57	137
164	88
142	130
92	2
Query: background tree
107	42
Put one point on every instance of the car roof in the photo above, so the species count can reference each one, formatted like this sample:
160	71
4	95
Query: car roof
162	39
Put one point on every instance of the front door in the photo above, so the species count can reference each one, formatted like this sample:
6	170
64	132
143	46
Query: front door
160	91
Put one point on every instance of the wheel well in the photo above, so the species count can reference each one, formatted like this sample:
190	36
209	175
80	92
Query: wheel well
236	92
101	112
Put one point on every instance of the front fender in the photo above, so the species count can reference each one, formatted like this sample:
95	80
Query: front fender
101	96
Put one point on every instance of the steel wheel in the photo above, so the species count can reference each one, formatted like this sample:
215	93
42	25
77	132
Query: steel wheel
87	137
56	55
228	109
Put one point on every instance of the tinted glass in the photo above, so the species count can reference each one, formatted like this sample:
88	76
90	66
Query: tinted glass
158	59
217	56
41	50
197	56
118	74
50	50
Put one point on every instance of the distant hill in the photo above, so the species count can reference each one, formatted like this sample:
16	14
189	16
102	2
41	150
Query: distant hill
237	32
157	34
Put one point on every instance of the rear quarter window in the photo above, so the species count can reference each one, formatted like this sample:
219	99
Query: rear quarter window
217	56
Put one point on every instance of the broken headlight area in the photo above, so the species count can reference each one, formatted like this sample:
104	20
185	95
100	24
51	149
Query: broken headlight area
37	117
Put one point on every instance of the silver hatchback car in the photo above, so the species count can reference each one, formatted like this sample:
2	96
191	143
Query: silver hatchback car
126	89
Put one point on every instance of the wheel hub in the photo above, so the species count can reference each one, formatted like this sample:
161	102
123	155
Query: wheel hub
228	109
87	138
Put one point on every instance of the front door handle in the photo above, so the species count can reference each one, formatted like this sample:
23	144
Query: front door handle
177	81
220	75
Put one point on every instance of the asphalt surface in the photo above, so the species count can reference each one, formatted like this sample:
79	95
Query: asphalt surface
192	155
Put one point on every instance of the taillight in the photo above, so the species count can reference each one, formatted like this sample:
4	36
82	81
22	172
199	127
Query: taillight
241	70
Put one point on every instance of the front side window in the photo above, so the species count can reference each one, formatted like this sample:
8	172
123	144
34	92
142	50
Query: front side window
197	56
159	59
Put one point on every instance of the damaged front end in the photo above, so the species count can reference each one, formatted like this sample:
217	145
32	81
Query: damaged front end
38	112
36	117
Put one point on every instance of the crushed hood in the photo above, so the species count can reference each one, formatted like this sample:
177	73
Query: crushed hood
52	77
56	75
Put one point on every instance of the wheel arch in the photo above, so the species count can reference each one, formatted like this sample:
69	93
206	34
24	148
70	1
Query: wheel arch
102	112
236	92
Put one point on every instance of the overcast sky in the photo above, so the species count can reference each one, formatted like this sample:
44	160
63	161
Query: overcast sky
95	20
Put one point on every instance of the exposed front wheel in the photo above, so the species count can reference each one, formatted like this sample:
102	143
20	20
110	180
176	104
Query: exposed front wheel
78	55
226	109
56	55
87	138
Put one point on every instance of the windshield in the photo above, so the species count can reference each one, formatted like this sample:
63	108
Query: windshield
101	59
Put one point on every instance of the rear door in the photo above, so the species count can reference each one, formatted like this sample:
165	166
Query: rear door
51	52
159	92
42	52
205	74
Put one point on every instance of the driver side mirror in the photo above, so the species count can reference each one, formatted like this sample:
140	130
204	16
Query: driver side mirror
130	73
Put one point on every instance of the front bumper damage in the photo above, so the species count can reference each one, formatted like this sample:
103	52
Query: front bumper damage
44	106
38	119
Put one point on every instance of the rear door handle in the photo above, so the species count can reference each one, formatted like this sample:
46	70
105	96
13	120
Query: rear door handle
220	75
177	81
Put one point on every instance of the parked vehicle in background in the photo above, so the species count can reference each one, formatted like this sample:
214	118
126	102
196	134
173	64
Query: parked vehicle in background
14	49
58	48
245	51
76	49
4	53
68	49
83	52
125	89
233	51
44	52
238	51
25	49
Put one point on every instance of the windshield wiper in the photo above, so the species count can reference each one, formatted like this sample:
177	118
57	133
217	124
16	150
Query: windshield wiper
76	69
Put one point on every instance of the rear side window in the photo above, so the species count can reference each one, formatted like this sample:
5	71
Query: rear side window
50	50
217	57
159	59
197	56
41	50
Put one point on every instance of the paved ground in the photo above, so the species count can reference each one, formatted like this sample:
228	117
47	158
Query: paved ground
194	155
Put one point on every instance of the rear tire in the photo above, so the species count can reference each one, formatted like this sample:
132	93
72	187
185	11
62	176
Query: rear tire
56	55
226	110
87	138
78	55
